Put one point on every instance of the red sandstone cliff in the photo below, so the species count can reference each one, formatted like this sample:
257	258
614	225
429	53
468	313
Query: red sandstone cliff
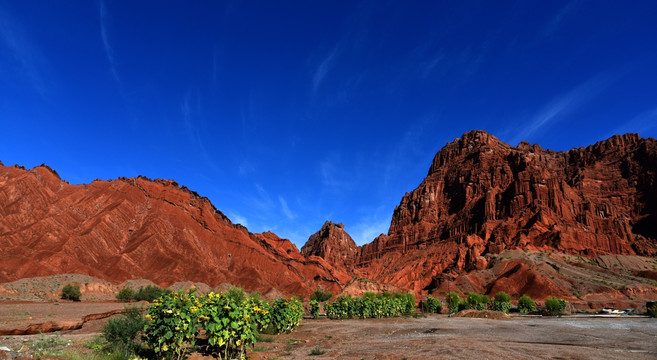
333	244
482	196
138	228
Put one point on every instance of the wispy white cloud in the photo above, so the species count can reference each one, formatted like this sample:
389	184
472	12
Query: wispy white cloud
427	67
29	58
641	124
323	68
369	228
556	21
286	209
104	34
238	219
331	172
562	105
190	109
263	201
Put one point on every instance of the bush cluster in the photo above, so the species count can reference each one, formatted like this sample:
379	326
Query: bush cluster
71	292
453	301
371	305
286	315
231	321
476	301
652	311
555	306
126	294
122	332
321	296
314	308
432	305
526	304
501	302
145	293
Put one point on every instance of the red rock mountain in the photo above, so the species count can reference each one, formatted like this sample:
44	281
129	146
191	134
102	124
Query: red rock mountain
482	196
332	244
139	228
480	221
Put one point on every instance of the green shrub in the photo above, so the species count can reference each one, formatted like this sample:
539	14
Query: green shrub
150	293
407	302
231	325
526	304
341	308
173	325
286	315
502	297
370	305
71	292
652	311
432	305
236	293
477	301
230	321
314	308
122	333
502	302
321	296
126	294
555	306
317	351
453	300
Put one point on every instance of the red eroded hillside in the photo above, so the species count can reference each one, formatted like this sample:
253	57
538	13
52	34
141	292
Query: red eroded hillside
138	228
333	244
488	217
482	196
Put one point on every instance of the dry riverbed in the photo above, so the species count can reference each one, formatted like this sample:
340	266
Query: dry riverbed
435	336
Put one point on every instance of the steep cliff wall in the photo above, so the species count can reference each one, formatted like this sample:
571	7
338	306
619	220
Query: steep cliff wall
483	196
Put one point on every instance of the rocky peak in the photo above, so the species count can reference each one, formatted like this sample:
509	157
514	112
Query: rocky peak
333	244
482	196
469	146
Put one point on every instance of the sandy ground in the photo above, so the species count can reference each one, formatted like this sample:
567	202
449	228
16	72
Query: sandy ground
431	337
437	337
16	314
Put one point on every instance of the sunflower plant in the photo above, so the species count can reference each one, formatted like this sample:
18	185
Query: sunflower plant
171	326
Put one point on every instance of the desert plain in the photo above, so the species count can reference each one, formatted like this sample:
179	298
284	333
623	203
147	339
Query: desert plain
417	337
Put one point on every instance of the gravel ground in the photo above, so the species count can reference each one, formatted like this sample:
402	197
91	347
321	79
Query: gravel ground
431	337
463	338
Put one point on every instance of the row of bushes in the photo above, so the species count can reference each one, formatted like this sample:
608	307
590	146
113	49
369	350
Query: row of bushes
371	305
145	293
501	302
231	321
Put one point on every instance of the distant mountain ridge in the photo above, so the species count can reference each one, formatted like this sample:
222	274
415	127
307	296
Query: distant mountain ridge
480	221
140	228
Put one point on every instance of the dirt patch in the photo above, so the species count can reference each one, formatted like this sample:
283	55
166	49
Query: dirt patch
24	317
439	336
483	314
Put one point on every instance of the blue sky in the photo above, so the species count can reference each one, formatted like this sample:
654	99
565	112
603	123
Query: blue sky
287	114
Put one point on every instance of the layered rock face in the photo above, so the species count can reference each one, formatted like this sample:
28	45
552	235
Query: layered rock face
333	244
483	196
139	228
